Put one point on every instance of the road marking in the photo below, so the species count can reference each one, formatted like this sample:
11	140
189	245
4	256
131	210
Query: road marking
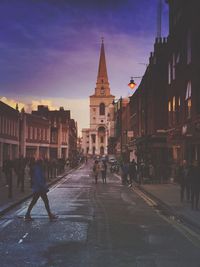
25	235
22	239
3	225
148	200
118	176
189	234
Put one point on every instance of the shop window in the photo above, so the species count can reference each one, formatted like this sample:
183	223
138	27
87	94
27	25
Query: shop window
174	110
169	113
173	67
169	73
188	100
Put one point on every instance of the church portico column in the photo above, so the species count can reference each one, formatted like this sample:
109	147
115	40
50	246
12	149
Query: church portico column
90	144
106	142
97	143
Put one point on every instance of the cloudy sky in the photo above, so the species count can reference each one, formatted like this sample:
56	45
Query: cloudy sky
49	49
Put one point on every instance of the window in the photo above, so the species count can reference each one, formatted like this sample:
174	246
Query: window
169	73
178	109
102	139
31	133
178	58
174	110
169	106
188	100
169	113
102	109
173	67
93	138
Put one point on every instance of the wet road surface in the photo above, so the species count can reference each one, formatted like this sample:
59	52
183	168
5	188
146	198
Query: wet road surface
99	225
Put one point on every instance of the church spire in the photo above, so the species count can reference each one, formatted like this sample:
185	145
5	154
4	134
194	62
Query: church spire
102	71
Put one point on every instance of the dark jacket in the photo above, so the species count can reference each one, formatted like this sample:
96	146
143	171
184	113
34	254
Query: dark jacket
38	179
132	168
183	175
194	176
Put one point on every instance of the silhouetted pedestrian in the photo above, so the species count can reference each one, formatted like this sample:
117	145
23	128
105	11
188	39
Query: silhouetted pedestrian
194	175
96	170
132	171
103	168
184	181
40	189
125	172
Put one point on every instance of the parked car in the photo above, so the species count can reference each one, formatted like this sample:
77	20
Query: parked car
114	167
111	159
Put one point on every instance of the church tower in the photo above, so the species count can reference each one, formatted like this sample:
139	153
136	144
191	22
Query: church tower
100	110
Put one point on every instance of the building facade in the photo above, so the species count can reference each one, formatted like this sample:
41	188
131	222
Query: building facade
62	133
34	136
95	138
184	81
9	133
43	134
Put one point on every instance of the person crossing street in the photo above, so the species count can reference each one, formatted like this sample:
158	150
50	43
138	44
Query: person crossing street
39	189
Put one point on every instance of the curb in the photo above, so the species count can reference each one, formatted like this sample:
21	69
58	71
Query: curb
170	211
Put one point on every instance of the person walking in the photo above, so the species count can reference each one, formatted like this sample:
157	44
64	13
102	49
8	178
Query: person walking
39	189
151	171
103	171
194	176
96	170
184	180
125	172
132	172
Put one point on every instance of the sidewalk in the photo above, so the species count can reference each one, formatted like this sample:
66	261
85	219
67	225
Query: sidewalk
168	196
18	197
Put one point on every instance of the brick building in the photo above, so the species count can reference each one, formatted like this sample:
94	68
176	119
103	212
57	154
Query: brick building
34	135
148	110
61	130
184	81
9	133
44	133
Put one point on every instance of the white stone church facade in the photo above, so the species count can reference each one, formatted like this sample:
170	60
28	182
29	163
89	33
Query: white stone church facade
95	138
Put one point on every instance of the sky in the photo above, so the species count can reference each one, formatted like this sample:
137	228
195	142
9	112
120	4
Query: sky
49	49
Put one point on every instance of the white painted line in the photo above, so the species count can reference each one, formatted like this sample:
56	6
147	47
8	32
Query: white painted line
25	235
22	239
6	223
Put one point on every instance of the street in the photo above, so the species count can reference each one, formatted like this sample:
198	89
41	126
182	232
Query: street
98	226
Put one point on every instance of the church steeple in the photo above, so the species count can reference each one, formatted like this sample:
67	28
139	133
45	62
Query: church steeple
102	71
102	84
